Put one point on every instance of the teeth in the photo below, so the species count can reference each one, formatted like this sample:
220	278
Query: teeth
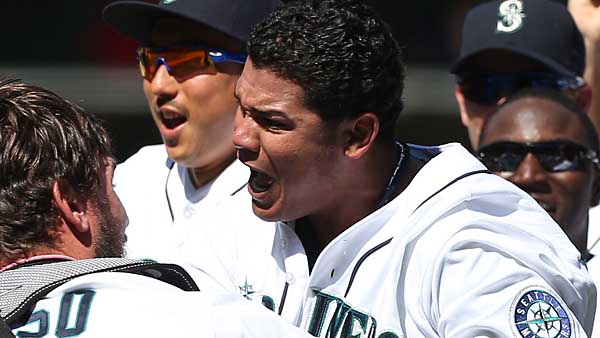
171	121
260	182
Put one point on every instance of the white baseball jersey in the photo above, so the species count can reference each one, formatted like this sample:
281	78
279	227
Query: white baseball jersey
459	253
593	265
115	304
212	229
594	268
159	197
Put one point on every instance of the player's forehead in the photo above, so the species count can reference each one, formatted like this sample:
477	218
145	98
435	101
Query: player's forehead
261	87
534	119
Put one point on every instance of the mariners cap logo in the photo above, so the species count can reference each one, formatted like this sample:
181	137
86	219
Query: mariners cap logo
167	2
537	313
510	16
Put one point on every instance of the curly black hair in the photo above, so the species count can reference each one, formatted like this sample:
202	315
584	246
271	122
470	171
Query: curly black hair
340	52
43	139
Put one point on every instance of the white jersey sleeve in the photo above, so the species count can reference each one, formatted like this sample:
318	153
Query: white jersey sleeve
492	270
476	282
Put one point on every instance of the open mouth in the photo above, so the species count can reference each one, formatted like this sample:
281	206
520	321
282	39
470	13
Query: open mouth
259	182
172	121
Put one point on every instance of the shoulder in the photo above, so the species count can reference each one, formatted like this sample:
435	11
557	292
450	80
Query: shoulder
148	157
150	162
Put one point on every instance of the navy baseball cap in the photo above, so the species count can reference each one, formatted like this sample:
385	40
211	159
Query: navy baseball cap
541	30
235	18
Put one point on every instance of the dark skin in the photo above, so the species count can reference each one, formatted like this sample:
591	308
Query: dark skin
566	196
315	238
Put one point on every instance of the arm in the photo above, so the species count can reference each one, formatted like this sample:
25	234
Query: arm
586	14
492	280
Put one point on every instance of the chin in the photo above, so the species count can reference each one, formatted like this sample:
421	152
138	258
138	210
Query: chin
269	214
179	155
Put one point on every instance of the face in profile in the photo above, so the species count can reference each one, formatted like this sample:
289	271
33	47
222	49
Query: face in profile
109	216
292	153
542	147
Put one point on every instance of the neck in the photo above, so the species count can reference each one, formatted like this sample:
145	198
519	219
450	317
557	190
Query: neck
360	192
579	236
202	175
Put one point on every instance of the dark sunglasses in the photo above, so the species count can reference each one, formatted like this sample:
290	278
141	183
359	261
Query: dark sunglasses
488	89
183	61
553	156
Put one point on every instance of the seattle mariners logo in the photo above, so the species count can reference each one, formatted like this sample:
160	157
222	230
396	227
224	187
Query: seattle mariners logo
248	292
510	15
538	314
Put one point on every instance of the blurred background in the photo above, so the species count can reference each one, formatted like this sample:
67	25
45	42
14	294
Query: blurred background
65	46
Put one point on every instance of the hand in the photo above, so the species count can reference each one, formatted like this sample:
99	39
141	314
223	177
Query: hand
586	14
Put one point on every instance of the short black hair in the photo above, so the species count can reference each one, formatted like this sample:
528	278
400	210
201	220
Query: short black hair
340	52
563	100
44	139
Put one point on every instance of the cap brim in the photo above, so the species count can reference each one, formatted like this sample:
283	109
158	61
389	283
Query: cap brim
136	19
460	66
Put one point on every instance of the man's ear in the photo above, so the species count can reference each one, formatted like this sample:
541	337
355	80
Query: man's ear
70	206
460	99
361	134
583	97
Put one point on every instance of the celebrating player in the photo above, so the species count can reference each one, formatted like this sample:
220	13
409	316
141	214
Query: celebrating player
187	197
546	145
402	240
508	45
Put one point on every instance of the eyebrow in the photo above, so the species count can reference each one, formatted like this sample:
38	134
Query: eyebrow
254	110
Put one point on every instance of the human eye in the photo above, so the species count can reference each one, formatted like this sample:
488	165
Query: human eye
274	124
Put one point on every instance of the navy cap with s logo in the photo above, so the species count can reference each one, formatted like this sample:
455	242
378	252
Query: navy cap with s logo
541	30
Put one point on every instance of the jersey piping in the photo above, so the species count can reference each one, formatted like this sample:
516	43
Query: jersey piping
389	240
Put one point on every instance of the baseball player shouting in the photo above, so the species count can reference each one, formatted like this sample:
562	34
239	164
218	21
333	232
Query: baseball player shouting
402	240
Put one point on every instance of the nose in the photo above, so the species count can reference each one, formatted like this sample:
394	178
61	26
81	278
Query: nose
163	86
245	135
530	175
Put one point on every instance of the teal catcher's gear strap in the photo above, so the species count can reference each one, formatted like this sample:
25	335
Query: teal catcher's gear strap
23	287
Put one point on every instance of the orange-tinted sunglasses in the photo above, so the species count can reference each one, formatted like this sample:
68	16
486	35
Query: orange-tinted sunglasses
183	61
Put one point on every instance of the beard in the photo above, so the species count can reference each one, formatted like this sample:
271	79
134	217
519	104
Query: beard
111	240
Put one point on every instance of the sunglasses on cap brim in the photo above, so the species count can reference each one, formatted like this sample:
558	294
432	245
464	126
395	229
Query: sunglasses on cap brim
183	61
489	89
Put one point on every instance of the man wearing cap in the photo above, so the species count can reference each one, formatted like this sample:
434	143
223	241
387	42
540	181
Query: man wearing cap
508	45
186	199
